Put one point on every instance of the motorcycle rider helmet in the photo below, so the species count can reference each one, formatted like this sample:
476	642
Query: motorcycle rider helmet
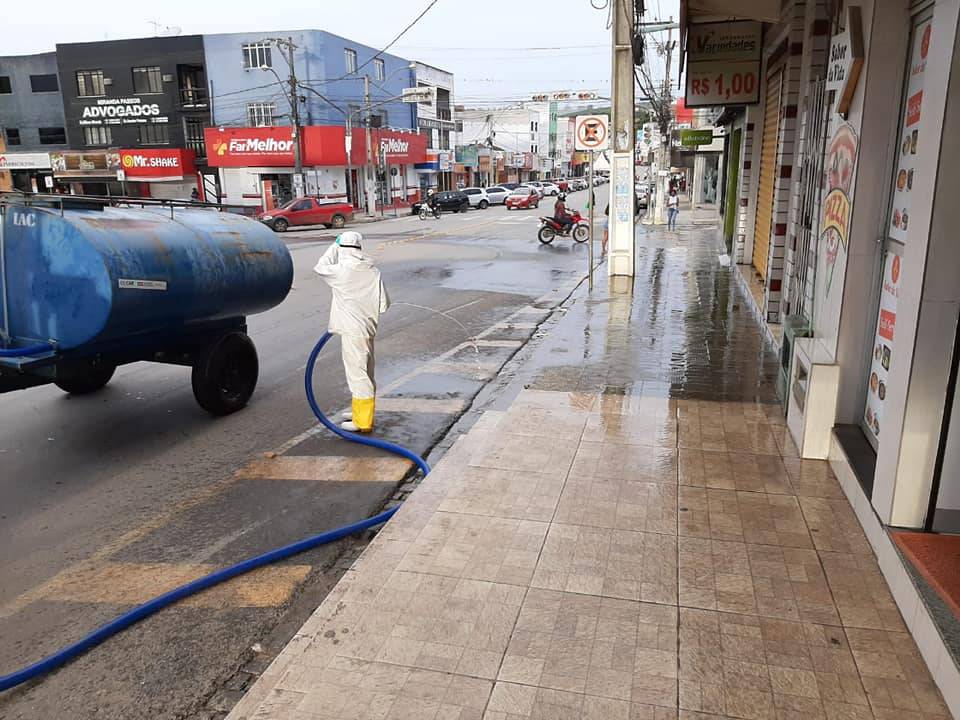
562	196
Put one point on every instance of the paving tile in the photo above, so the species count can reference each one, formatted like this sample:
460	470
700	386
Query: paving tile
860	592
502	493
789	583
620	461
748	667
896	680
733	471
742	516
622	504
478	547
715	575
715	427
812	478
550	400
635	426
611	563
559	424
834	526
507	451
602	647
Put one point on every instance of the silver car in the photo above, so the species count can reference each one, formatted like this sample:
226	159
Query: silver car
478	197
497	195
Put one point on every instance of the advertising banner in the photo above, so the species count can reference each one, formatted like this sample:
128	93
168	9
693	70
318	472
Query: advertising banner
98	163
723	64
24	161
157	165
468	156
122	111
909	132
250	147
693	138
883	344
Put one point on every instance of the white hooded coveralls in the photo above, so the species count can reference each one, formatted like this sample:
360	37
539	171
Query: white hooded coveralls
358	299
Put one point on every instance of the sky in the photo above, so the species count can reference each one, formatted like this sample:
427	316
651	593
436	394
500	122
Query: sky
497	51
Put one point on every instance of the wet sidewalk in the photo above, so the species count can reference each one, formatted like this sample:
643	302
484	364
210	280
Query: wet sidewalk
627	535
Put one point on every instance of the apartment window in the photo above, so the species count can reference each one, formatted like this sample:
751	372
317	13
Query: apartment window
90	83
429	101
533	126
5	88
260	114
193	135
97	136
257	55
350	56
44	83
13	136
380	69
53	136
154	135
147	80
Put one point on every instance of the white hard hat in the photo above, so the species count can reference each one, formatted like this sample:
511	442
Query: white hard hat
349	239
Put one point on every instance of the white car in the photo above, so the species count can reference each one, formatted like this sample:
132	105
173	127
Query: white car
536	186
497	195
550	189
478	197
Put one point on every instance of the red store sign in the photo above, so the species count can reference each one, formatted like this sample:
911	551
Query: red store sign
323	146
249	147
155	165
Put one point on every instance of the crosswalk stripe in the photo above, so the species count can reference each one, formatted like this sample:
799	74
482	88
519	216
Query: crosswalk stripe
325	468
120	583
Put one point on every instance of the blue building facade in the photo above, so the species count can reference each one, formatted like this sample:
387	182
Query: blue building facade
31	106
327	65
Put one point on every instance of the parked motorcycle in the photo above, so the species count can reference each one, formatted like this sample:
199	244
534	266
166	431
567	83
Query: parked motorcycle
550	228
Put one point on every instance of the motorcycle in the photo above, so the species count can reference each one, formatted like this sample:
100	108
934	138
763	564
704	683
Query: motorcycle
550	228
426	211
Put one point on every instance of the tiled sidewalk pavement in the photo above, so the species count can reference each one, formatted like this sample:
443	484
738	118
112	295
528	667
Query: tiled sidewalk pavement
633	538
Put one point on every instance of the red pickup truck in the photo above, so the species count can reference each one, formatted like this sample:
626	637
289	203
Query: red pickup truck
308	211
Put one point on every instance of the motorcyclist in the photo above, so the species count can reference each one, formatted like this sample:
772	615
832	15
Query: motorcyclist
359	298
560	214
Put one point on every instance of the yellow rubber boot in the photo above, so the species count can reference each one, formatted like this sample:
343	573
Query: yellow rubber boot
363	409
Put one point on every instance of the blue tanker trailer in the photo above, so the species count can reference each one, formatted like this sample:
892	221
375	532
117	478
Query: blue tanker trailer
89	284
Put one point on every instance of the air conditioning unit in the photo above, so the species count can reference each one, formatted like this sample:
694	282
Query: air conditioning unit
167	77
108	81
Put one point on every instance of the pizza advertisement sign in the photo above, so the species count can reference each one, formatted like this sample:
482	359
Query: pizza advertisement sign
883	345
909	137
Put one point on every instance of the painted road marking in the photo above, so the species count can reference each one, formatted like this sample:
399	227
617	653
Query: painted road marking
324	468
500	343
440	406
516	326
118	583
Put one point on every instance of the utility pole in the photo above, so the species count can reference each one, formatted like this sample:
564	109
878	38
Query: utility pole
371	183
622	204
287	47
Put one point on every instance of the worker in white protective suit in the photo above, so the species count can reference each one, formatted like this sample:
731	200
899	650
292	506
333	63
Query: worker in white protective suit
358	299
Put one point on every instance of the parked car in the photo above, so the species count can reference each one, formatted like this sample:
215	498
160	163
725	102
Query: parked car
308	211
455	200
510	185
550	188
523	198
563	184
478	197
498	194
643	196
536	186
578	184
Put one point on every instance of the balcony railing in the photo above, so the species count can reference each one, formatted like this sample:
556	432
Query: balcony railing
444	114
193	97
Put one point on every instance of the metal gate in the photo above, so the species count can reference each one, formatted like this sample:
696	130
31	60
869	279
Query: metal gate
763	223
813	146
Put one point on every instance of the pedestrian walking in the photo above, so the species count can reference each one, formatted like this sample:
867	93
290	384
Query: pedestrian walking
673	209
359	298
606	231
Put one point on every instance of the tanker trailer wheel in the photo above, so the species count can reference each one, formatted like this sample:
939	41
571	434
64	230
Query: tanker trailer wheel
225	374
94	380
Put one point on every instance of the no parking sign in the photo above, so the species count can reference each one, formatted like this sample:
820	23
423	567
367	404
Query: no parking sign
592	132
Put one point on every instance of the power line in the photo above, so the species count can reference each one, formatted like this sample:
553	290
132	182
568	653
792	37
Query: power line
392	42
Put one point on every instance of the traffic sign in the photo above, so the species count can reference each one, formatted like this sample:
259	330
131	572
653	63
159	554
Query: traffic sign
592	132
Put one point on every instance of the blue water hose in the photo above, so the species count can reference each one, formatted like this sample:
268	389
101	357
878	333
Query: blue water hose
26	351
68	653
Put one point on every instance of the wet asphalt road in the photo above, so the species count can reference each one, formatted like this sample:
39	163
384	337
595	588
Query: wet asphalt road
111	498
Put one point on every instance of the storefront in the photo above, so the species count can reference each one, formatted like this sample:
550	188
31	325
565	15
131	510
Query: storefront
256	165
161	174
95	172
29	172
